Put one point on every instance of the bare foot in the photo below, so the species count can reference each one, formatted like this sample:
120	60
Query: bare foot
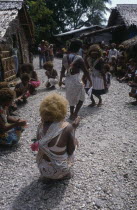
99	103
76	122
92	105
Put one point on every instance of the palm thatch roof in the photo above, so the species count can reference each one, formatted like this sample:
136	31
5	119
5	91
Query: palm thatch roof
123	14
11	4
9	11
130	42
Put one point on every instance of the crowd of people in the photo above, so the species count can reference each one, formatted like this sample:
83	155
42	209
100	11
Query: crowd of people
84	70
46	53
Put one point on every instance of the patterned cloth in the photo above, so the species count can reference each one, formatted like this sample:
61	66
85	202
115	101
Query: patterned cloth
59	165
11	137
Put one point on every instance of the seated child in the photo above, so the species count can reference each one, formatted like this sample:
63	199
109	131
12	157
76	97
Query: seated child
10	128
51	74
13	106
29	69
22	89
130	73
121	67
133	92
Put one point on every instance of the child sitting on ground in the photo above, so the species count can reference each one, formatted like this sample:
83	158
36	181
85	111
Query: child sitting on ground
10	128
29	69
13	106
130	74
23	89
121	67
51	74
113	65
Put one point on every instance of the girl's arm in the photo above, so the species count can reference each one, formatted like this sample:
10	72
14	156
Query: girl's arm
34	76
85	71
62	73
101	69
71	144
4	128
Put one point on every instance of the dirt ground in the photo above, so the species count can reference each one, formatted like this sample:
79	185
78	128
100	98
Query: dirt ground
105	170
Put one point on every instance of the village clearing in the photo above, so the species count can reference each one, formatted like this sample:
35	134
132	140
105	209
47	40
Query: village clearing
105	170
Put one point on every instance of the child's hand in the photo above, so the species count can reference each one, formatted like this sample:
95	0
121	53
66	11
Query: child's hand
76	143
21	122
76	122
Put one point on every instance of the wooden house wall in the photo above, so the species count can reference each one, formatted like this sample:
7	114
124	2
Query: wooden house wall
15	30
106	37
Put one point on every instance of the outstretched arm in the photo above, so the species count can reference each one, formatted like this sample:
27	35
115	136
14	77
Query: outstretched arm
62	73
85	71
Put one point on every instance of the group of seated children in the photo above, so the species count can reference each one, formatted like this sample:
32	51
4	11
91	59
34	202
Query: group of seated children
124	69
10	127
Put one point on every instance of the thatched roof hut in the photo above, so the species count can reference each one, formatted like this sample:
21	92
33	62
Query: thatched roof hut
131	47
123	14
126	15
104	34
16	30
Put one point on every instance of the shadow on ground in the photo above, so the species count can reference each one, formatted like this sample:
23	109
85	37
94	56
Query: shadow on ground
130	106
40	195
5	150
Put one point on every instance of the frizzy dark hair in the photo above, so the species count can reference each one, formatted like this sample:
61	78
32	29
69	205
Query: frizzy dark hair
75	45
26	65
6	95
25	77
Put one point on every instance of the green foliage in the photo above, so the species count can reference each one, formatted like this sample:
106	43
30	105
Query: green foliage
77	13
42	18
55	16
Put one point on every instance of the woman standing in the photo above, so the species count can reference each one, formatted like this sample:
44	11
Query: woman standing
56	139
95	64
73	64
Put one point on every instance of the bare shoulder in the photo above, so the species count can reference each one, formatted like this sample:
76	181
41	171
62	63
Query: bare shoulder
69	128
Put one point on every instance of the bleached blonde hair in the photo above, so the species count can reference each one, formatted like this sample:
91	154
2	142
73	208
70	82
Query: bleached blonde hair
53	108
95	47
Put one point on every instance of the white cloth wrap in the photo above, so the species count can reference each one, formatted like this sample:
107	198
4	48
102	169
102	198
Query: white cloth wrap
74	87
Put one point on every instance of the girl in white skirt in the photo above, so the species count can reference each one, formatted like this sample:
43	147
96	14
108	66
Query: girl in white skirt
95	63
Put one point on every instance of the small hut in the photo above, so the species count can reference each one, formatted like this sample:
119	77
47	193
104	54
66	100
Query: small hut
16	37
63	37
124	15
98	36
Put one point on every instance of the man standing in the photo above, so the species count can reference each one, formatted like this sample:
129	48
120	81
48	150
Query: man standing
112	52
41	50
